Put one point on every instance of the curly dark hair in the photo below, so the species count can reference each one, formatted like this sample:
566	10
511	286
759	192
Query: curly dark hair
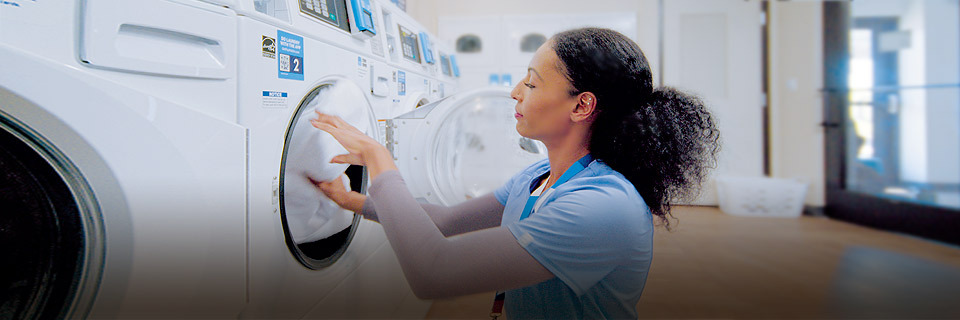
664	141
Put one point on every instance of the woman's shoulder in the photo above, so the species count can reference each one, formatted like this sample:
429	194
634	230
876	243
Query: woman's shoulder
600	175
601	201
606	190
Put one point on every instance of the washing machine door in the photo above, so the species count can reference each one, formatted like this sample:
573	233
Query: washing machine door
52	237
318	231
461	147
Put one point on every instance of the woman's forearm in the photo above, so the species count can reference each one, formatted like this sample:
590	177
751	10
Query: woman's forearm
377	160
438	266
354	202
471	215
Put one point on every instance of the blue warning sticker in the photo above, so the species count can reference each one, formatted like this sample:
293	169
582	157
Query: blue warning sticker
289	56
401	83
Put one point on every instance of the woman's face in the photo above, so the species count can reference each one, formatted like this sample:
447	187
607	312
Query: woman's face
544	103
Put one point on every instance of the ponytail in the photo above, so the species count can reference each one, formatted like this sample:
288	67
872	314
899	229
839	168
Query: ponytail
665	147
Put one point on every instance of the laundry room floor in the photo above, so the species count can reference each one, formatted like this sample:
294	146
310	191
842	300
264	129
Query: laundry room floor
713	265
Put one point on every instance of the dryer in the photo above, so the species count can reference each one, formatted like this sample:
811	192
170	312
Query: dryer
124	167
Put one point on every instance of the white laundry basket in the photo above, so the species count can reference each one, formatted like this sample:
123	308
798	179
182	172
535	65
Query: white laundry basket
760	196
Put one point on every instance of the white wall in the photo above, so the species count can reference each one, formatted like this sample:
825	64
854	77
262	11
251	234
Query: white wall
796	108
713	50
796	68
428	12
501	57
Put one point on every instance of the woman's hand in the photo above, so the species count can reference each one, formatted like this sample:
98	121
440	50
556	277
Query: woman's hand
363	150
350	138
336	191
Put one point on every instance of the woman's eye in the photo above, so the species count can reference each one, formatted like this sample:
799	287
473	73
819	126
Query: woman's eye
528	85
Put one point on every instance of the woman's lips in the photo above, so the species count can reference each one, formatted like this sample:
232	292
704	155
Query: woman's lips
517	115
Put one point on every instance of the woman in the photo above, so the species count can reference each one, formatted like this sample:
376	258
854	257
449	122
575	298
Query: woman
570	236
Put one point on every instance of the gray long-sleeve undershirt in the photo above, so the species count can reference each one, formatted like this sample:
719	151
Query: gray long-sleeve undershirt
439	254
471	215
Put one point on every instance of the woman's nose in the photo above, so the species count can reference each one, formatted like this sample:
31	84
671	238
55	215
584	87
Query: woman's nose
515	93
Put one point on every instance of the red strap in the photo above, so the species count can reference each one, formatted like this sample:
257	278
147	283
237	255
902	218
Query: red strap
497	309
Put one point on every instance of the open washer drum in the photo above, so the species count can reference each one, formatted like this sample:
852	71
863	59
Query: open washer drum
51	214
318	231
462	146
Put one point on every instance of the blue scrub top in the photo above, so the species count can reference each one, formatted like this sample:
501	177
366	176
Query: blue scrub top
594	233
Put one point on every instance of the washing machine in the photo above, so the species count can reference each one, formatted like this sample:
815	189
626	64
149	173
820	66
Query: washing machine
124	177
307	257
397	86
148	143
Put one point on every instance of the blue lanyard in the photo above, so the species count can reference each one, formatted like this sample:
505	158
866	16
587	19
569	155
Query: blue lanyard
572	171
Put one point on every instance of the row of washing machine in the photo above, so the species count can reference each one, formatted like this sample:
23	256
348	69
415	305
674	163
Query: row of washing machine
156	157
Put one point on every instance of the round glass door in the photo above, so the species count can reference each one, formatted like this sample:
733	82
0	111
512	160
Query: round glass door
317	230
49	229
476	147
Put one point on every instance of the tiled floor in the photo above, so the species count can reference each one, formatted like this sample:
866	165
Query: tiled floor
714	265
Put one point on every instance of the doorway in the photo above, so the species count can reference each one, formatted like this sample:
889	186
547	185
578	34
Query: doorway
892	115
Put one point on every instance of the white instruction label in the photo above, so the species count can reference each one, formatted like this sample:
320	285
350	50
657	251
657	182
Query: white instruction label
274	99
382	127
363	67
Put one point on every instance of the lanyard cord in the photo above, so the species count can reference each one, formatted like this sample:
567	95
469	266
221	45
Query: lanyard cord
533	202
497	309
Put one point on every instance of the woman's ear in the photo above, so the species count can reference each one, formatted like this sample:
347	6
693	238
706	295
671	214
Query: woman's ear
586	105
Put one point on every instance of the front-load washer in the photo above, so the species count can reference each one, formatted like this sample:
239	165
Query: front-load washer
124	170
296	59
460	147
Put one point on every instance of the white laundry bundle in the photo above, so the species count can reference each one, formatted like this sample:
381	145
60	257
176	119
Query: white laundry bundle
311	216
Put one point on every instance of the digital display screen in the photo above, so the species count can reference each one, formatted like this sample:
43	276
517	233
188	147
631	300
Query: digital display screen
330	11
409	44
